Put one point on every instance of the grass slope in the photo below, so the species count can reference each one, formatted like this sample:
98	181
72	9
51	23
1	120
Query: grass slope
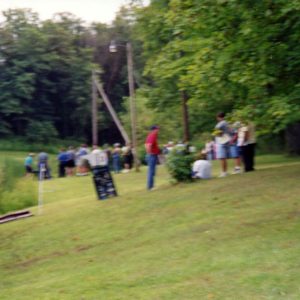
229	238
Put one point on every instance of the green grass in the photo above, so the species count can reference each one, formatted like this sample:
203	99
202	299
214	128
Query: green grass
16	192
229	238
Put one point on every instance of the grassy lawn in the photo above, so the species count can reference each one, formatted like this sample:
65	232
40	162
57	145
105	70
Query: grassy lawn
230	238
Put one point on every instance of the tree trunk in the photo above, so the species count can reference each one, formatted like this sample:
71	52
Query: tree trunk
292	136
185	116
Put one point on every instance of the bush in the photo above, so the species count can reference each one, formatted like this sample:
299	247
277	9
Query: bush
142	155
179	165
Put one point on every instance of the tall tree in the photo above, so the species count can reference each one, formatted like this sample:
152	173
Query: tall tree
45	75
235	56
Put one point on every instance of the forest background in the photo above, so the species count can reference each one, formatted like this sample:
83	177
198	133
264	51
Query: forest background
192	59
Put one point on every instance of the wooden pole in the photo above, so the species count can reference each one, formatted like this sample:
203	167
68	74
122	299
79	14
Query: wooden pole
106	100
132	105
94	112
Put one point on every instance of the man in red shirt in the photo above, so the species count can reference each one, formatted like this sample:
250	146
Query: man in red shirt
152	150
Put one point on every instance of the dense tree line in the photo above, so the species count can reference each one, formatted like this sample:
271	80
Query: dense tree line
192	59
45	76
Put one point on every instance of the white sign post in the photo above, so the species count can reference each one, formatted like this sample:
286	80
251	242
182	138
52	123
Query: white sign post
41	179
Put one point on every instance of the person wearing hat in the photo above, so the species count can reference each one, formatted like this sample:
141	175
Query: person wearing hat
152	150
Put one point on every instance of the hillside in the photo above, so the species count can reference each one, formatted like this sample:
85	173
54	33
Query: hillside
229	238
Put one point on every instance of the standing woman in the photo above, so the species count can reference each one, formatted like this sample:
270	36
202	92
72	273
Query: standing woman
222	142
233	147
249	148
152	150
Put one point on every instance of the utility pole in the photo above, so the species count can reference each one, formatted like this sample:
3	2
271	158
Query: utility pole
111	110
132	104
94	111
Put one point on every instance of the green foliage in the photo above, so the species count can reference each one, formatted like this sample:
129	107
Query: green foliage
146	117
179	165
11	170
226	55
241	57
22	144
41	132
45	76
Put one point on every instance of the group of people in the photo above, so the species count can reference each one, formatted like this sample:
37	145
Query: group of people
229	142
236	142
122	157
73	161
42	165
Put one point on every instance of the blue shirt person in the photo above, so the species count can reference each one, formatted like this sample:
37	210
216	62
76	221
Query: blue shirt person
28	164
62	158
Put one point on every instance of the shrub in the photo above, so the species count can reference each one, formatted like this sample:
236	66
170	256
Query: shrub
142	155
179	165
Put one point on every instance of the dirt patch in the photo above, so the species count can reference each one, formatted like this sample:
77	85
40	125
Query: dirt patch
83	248
35	260
294	214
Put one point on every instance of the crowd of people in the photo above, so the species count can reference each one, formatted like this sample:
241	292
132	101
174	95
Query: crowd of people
77	162
229	141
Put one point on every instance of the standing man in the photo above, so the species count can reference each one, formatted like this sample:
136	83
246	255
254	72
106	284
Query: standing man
98	161
62	162
43	165
97	158
152	150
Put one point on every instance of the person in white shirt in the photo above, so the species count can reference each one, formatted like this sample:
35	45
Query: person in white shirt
222	142
97	158
247	142
201	168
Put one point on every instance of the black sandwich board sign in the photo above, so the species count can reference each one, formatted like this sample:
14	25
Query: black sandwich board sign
104	184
